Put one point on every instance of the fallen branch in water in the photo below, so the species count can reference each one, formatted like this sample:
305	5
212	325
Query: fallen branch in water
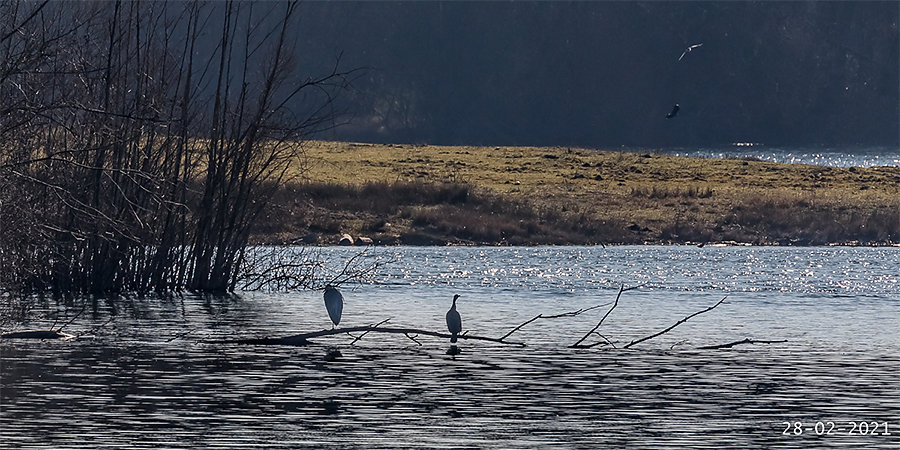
555	316
593	330
70	320
741	342
638	341
37	334
413	338
608	342
52	333
357	338
303	338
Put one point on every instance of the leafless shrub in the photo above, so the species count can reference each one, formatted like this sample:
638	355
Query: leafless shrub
132	161
286	268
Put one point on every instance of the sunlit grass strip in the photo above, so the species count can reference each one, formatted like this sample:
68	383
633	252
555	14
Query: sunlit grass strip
638	197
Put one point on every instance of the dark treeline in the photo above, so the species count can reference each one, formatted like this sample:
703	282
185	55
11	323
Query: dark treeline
140	140
605	73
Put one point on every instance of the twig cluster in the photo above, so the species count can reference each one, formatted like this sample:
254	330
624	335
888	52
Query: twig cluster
291	268
593	331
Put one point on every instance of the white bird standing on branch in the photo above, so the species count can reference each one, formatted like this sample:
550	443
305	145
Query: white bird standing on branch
688	50
334	303
454	322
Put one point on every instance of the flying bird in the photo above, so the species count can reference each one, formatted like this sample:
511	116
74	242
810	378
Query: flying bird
688	50
674	111
454	322
334	303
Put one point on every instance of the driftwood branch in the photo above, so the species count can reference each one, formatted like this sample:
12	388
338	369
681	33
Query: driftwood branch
741	342
303	338
413	338
37	334
638	341
555	316
598	343
367	332
52	333
589	333
69	322
521	325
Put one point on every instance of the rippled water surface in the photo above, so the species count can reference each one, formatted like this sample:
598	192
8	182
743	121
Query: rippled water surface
821	156
149	372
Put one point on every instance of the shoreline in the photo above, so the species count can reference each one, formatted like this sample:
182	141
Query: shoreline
613	244
466	195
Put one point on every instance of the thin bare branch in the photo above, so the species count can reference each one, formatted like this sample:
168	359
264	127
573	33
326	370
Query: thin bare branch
367	331
69	322
24	22
555	316
520	326
413	338
638	341
622	289
740	342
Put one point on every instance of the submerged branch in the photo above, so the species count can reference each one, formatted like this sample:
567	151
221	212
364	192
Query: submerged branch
741	342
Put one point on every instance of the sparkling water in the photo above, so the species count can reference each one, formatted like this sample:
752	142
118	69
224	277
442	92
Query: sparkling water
152	372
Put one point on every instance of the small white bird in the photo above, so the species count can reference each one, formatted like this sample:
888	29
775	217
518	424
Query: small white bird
688	50
454	322
334	303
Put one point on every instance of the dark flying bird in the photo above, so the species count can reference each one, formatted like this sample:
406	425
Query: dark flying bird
673	112
334	303
688	50
454	322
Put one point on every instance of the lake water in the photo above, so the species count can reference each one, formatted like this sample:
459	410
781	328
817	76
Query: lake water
153	377
822	156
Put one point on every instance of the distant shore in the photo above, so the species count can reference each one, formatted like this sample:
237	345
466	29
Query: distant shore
464	195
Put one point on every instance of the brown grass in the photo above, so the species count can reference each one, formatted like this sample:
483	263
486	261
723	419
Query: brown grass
603	196
413	212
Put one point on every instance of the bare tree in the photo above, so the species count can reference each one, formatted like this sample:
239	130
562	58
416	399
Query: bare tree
135	151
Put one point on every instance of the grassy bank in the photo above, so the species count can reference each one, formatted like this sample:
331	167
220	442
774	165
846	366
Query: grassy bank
524	195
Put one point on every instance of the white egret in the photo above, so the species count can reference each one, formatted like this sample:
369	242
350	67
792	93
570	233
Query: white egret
454	322
689	49
334	303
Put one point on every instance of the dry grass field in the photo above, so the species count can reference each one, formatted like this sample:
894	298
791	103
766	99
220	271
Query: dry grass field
558	195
